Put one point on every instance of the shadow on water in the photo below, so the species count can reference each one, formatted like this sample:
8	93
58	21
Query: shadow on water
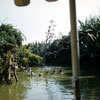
90	88
90	83
16	91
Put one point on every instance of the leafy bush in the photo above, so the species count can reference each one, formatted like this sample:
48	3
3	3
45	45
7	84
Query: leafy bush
28	59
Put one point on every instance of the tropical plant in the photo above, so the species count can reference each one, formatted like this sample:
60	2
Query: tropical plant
10	41
90	40
26	58
11	35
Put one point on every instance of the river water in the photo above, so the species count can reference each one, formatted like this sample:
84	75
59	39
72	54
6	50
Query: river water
51	86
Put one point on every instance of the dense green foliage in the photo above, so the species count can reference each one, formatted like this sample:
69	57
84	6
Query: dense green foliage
11	35
11	38
10	41
36	48
11	48
89	33
58	52
54	53
26	58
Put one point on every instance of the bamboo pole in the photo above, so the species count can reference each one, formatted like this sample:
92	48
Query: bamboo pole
74	50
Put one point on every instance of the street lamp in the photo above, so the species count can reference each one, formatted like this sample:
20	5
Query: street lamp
74	49
26	2
21	2
51	0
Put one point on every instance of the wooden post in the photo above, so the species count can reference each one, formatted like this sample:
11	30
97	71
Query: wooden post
74	50
9	72
16	78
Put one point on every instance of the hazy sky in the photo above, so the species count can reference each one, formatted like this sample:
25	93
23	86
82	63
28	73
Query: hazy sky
33	20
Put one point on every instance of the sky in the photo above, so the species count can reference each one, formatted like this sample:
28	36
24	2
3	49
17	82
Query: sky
33	20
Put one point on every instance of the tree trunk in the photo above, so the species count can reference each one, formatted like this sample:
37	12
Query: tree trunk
16	78
6	75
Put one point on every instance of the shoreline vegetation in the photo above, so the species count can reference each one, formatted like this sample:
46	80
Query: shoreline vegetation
50	52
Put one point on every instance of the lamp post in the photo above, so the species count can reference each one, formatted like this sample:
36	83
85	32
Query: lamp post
74	50
51	0
21	2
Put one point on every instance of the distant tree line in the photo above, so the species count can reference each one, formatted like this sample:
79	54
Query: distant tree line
58	52
51	51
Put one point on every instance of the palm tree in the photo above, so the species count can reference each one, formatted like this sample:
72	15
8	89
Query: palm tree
89	33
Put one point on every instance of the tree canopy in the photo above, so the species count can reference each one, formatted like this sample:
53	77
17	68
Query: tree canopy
11	35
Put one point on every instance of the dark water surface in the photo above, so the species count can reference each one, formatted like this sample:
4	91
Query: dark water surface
51	86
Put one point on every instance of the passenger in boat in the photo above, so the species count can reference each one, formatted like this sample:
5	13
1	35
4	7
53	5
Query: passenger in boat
61	71
30	70
32	73
28	74
46	72
25	68
41	74
53	72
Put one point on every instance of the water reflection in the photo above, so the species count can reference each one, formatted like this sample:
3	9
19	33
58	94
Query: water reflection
90	89
51	86
90	84
16	91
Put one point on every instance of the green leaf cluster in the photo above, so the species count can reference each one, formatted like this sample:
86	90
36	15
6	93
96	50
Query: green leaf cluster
28	59
10	35
89	33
